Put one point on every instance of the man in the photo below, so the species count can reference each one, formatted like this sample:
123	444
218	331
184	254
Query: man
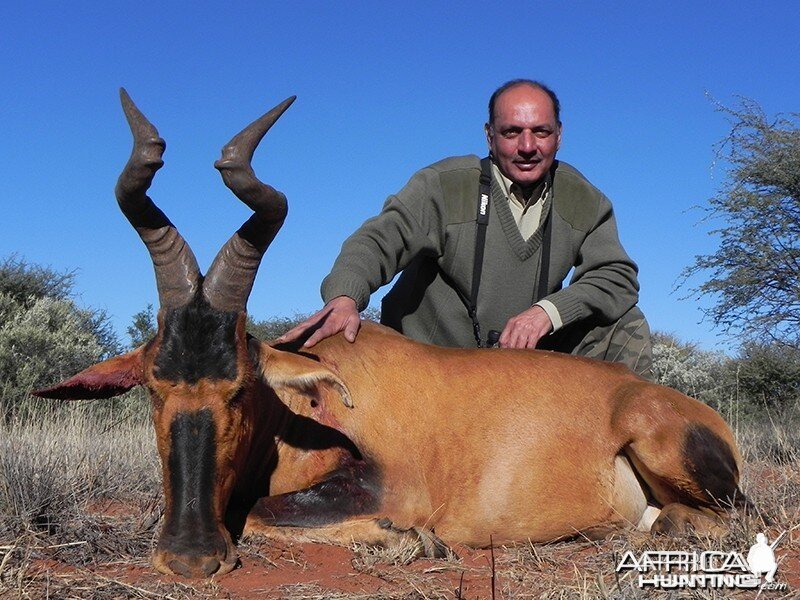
544	220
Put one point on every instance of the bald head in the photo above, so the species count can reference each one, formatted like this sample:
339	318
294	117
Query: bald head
524	133
508	85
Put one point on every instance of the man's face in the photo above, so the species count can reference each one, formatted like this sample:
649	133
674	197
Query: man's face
525	135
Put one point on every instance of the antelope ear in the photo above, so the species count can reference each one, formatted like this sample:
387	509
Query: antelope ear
106	379
285	369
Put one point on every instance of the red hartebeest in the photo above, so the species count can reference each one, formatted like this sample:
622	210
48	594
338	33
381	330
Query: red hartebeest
384	439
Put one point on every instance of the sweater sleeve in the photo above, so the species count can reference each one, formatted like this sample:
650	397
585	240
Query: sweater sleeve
411	222
604	282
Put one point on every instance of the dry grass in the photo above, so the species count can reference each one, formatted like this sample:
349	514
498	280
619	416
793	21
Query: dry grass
80	508
51	466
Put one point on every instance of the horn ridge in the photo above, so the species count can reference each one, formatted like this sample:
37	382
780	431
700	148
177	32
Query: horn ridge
176	270
237	172
230	279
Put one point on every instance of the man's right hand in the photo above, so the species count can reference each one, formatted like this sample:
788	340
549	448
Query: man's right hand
340	314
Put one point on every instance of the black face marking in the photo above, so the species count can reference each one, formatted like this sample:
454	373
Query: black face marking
198	342
190	527
353	489
710	462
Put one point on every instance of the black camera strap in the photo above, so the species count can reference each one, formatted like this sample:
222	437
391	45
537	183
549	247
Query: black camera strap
544	269
482	222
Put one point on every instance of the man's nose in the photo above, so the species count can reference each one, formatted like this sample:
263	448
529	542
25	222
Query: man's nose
527	143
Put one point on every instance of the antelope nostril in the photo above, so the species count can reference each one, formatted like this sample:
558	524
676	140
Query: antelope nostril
210	567
179	568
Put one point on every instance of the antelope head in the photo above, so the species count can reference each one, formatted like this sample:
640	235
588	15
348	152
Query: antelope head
201	370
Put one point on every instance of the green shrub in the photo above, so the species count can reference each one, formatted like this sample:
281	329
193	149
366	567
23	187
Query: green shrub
697	373
41	345
763	379
25	282
44	335
769	374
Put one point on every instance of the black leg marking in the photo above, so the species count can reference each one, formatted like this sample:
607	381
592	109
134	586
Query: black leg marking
710	462
352	490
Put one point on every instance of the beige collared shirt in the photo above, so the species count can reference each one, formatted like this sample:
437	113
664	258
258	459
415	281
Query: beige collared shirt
528	216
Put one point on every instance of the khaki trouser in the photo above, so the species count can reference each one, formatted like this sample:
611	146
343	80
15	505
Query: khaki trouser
625	341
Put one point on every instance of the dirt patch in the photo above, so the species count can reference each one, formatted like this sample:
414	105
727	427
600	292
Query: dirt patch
277	570
315	572
104	554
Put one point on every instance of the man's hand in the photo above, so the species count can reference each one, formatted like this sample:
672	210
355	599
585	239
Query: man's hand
526	329
340	314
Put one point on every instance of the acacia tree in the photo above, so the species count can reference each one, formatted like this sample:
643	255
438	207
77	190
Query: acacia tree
143	327
754	275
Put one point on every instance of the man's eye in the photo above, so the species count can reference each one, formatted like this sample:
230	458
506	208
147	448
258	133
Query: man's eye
510	134
543	134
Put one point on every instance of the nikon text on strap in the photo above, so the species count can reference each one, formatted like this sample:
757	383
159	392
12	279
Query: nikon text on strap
484	202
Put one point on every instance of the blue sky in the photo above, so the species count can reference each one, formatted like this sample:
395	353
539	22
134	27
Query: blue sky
383	90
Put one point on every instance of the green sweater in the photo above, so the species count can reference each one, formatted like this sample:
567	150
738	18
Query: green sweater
427	231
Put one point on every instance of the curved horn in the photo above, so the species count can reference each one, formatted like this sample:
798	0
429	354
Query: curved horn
230	278
177	274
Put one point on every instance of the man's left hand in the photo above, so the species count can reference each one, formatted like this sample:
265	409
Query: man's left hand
526	329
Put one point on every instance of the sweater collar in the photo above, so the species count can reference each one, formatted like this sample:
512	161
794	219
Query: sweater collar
513	191
524	249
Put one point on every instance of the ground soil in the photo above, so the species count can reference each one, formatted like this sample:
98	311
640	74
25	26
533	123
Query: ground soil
111	560
312	571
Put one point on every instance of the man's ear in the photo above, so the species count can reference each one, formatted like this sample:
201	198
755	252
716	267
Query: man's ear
285	369
489	133
106	379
